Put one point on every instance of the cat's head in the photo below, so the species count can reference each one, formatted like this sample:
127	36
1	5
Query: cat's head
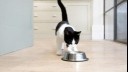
72	38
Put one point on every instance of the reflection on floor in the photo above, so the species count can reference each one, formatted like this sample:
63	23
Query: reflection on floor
105	56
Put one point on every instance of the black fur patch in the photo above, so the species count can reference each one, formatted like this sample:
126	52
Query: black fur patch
69	35
64	16
63	10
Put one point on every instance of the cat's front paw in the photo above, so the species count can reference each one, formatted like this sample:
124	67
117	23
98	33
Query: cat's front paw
59	53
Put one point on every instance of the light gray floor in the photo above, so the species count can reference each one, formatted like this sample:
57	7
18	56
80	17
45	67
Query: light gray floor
105	56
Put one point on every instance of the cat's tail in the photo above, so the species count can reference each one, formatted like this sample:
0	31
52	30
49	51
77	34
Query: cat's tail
63	10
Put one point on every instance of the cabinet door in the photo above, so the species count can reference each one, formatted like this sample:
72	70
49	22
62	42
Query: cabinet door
79	18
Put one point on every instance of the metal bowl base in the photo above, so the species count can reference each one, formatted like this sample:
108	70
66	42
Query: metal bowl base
77	56
75	60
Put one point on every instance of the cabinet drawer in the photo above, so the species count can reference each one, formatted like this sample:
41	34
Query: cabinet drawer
45	28
46	6
47	16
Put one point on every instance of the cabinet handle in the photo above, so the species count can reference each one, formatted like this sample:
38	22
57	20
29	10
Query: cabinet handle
54	6
53	29
35	29
35	6
54	16
35	16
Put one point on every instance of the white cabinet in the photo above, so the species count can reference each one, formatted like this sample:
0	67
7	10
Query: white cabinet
47	14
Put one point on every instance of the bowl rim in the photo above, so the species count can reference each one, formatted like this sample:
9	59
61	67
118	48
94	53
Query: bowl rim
71	60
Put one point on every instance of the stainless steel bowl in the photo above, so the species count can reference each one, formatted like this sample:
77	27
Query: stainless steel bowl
77	56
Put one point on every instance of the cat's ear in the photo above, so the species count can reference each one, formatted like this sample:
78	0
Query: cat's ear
77	32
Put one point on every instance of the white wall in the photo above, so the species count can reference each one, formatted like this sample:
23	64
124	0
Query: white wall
97	25
15	25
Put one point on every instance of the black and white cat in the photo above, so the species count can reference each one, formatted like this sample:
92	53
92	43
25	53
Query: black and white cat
66	33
